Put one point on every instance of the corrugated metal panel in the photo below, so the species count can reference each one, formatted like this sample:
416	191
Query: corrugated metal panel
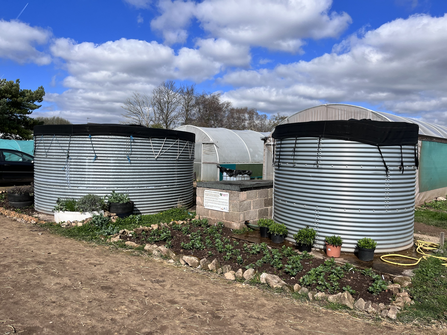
348	193
157	173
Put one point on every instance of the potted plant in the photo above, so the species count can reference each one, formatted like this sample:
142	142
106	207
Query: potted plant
78	210
264	225
305	238
20	196
120	204
278	231
333	246
365	249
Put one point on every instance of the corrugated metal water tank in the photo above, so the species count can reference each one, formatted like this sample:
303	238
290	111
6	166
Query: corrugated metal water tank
350	178
154	166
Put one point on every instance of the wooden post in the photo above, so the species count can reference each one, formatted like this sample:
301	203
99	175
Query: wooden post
441	240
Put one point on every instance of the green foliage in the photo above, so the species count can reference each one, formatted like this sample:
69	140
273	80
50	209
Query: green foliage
21	190
349	289
119	198
367	243
104	224
437	205
336	241
265	222
15	106
294	265
305	236
278	229
431	218
65	205
90	203
429	292
379	285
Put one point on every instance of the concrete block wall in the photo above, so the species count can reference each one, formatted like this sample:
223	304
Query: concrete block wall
249	205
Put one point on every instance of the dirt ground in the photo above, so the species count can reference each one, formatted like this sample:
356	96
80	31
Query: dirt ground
53	285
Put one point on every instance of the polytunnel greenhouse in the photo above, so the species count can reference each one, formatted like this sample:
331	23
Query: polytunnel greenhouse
231	149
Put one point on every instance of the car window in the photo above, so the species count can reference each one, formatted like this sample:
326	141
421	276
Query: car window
16	157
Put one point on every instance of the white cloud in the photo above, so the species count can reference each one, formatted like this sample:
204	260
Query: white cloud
139	3
224	52
274	24
399	66
18	41
175	17
140	18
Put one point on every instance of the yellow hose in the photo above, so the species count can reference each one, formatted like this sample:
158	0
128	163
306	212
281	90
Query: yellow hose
421	246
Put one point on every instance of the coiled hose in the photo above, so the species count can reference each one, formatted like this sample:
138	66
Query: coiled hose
421	248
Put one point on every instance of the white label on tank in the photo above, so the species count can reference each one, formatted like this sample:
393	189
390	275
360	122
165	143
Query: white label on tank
218	201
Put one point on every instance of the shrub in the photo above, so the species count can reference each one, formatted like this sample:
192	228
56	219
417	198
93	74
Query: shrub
336	241
367	243
265	222
66	205
90	203
21	190
278	229
305	236
120	198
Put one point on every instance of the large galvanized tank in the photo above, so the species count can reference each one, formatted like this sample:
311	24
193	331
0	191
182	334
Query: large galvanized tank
330	176
154	166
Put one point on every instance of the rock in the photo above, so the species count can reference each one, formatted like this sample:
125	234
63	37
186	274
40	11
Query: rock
273	281
408	273
115	238
230	275
344	298
402	280
395	288
182	262
360	304
150	247
79	224
381	307
320	296
165	251
154	226
310	295
296	287
132	244
219	271
226	268
214	265
204	264
392	313
303	290
157	253
403	294
239	274
440	199
192	261
249	274
262	278
384	313
371	310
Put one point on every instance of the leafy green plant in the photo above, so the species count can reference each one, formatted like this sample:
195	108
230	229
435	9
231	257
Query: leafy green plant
367	243
90	203
265	222
305	236
278	229
336	241
65	205
120	198
349	289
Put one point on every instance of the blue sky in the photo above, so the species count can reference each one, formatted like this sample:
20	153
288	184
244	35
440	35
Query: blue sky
271	55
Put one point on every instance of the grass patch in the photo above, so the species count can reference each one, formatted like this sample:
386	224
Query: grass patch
429	292
431	218
437	205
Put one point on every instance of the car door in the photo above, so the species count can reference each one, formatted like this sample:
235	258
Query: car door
17	167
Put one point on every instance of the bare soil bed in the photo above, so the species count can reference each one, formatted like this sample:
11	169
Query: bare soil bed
53	285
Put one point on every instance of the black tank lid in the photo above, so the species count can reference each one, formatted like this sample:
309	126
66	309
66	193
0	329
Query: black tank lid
366	131
113	129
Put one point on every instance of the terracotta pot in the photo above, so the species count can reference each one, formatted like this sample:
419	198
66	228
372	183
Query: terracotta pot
333	251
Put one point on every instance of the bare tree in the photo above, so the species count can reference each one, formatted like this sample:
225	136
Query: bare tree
52	120
211	111
188	105
139	111
165	101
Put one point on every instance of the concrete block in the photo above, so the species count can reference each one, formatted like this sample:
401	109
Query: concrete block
216	214
200	191
251	195
264	193
270	213
199	201
258	203
268	202
242	196
245	205
251	215
263	212
202	211
270	192
233	217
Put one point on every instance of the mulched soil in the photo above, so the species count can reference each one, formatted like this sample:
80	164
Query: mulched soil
355	279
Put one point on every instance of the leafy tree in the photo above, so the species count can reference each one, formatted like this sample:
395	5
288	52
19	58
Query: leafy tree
15	106
52	120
